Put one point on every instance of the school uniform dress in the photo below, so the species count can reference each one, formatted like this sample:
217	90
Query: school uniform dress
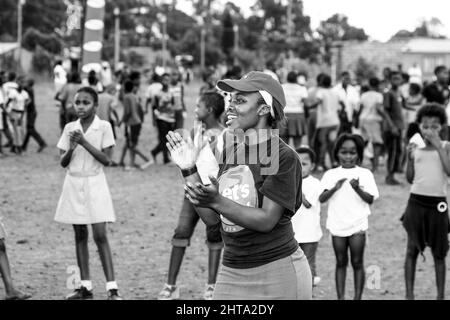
426	217
294	110
85	198
262	266
347	212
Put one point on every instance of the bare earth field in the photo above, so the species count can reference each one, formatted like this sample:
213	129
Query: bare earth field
147	205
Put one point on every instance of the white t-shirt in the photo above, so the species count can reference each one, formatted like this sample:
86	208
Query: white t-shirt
18	100
415	75
347	212
294	94
370	100
153	90
60	75
350	97
327	111
306	222
8	86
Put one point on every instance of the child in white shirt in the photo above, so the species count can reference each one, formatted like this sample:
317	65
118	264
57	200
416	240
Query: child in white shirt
350	190
306	222
85	199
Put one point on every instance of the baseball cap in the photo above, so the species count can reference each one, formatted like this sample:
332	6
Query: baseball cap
256	81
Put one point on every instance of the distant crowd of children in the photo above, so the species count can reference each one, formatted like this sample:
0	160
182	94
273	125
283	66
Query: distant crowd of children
88	118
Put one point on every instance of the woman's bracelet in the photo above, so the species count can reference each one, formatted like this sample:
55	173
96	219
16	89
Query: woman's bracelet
189	172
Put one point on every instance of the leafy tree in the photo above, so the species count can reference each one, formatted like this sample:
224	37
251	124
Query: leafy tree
336	28
364	69
431	28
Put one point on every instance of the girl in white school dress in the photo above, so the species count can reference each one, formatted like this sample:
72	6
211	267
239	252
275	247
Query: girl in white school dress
85	199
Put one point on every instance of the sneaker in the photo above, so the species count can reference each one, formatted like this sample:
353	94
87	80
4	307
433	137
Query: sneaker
209	292
42	147
113	294
81	294
316	281
392	182
169	293
147	164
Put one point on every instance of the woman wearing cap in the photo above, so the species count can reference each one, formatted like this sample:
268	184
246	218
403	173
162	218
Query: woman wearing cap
257	192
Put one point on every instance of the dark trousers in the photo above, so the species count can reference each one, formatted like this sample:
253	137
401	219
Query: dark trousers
310	249
325	138
163	129
179	120
32	133
393	144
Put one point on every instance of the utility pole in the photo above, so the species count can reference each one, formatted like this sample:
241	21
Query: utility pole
202	48
236	41
116	37
164	23
289	20
21	3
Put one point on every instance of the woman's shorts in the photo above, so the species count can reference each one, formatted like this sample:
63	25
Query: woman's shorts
284	279
295	125
427	223
132	133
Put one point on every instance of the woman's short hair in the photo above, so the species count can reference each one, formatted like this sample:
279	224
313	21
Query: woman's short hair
432	110
357	139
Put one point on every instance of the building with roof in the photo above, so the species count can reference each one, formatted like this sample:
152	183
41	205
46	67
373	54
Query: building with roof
427	53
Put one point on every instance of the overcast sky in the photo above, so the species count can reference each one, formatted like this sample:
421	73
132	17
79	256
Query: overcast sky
379	18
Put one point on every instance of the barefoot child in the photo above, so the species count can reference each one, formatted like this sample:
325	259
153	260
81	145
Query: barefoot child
426	216
85	197
11	292
350	191
306	222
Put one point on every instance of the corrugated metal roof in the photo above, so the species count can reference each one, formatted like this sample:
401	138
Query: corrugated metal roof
7	47
426	45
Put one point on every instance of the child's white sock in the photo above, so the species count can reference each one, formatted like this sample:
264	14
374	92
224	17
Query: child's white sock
111	285
87	284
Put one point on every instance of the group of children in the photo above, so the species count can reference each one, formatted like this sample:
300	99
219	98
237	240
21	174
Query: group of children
349	190
18	113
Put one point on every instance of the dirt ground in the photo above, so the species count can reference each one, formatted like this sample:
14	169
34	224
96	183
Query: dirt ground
147	205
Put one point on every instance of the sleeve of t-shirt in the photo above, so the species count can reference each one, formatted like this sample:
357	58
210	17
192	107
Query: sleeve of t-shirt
368	184
319	94
379	99
64	141
285	187
108	136
327	182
